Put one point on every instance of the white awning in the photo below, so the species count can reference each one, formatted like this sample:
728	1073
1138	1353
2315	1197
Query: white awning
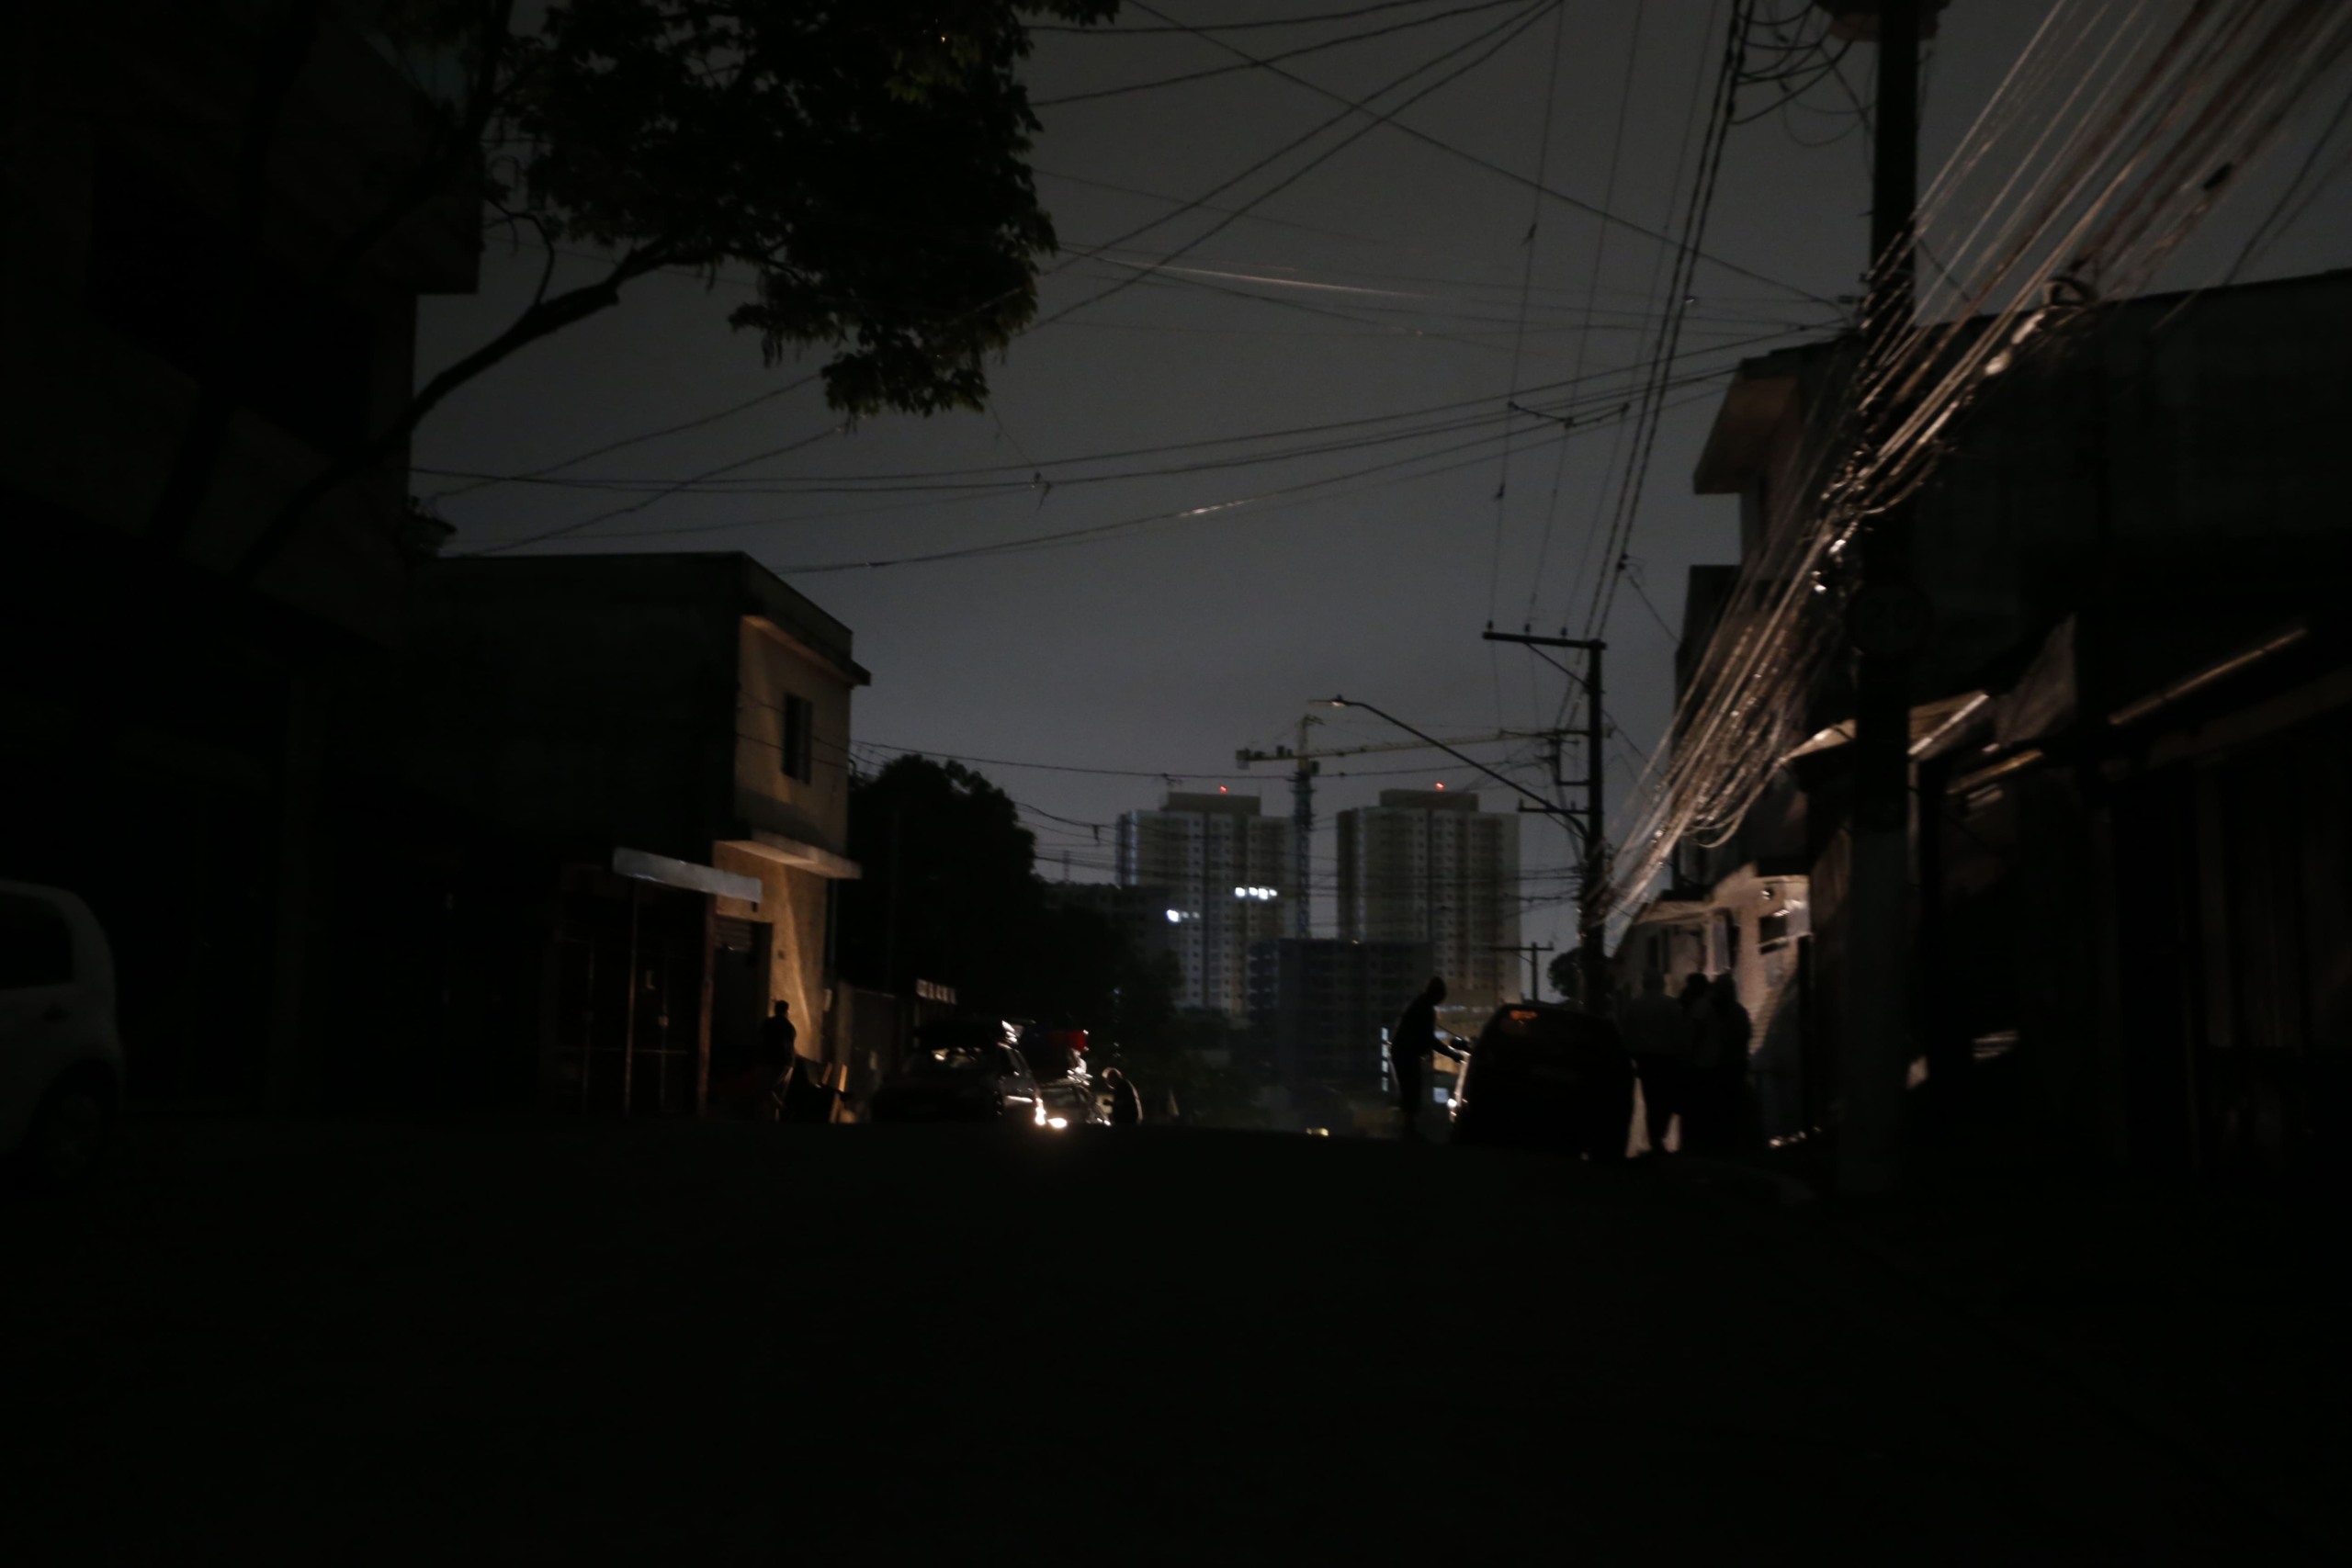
684	874
797	854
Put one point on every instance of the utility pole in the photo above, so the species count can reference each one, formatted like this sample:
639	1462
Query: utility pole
1592	893
1887	622
1534	975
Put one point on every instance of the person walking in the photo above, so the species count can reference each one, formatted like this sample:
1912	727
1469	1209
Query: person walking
1719	1067
1410	1045
1657	1032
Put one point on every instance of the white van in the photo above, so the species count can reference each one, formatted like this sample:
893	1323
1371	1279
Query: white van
60	1060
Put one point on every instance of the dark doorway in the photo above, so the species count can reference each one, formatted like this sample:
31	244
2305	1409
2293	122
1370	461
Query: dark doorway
739	995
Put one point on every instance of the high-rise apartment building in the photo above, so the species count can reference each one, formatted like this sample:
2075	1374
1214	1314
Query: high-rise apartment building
1229	882
1429	866
1323	1009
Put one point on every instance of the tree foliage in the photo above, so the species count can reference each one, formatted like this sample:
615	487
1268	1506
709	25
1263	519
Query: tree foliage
950	894
1566	972
863	160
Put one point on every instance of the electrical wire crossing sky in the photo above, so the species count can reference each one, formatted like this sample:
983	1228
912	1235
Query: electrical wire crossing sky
1371	326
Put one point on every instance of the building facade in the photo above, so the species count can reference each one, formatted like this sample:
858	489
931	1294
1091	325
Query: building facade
668	736
1430	868
1230	881
1323	1007
162	709
2133	716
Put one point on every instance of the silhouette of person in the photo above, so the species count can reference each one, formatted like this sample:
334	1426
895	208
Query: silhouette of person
1657	1032
1126	1102
1410	1045
778	1039
1719	1067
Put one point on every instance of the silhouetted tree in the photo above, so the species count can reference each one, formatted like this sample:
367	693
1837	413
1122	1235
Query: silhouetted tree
1566	972
950	894
863	159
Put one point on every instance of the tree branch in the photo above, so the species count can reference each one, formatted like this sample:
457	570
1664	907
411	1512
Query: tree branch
514	220
545	318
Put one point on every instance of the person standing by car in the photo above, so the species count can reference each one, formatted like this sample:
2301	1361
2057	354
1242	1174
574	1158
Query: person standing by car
1410	1045
1657	1032
1126	1102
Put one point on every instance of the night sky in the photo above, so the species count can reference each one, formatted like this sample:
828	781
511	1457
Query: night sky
1395	284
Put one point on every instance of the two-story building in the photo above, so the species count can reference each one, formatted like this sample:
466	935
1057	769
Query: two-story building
636	768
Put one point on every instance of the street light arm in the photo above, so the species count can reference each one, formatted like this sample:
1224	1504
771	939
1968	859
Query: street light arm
1547	808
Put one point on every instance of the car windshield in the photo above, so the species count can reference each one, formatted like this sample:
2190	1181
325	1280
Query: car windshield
946	1061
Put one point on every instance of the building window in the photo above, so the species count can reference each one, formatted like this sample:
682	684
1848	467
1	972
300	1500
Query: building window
800	723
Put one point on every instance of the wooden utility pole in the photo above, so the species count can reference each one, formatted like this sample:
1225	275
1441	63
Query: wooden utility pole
1887	623
1592	900
1534	975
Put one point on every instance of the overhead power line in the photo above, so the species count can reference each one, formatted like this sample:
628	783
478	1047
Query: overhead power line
1589	209
2107	146
1497	38
1099	31
1302	50
1345	436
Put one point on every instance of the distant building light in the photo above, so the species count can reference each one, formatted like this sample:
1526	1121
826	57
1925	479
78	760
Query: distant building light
1261	895
1441	784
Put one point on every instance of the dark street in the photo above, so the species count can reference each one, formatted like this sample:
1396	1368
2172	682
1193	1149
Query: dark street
678	1341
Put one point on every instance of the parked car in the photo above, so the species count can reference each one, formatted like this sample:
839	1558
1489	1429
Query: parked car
60	1060
962	1073
1073	1102
1545	1076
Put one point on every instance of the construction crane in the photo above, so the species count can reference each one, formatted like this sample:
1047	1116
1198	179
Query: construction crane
1305	761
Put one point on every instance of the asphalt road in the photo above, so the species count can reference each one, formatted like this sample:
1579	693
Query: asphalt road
662	1343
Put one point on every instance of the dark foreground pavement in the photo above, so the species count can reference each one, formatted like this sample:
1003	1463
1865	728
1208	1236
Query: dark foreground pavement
330	1343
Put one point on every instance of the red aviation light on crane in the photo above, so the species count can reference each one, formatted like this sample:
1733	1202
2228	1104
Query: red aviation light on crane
1441	784
1220	789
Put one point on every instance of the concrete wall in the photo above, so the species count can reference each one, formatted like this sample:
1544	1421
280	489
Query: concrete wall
581	697
774	666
